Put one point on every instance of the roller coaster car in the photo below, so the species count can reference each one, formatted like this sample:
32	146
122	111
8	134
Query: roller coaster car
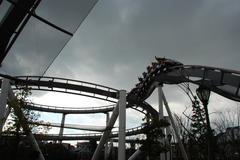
140	79
168	62
144	75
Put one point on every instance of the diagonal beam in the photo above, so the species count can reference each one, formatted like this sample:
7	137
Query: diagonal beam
184	154
11	22
3	101
107	133
18	112
122	125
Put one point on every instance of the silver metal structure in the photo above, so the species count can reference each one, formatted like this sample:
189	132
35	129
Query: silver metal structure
122	125
10	97
164	71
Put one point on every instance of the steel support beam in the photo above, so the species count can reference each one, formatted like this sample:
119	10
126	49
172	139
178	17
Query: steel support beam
106	133
168	132
122	126
18	112
160	102
161	114
184	154
3	101
106	144
62	126
135	155
8	109
11	22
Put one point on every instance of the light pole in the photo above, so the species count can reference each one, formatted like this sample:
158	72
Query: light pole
204	95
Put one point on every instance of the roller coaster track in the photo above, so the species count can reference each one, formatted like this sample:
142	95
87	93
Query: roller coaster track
70	110
68	86
221	81
75	87
76	110
165	71
88	136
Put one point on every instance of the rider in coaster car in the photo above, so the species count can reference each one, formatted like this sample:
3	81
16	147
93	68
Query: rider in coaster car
167	62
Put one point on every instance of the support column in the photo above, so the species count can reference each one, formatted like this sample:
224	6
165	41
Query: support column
184	154
168	133
106	145
160	102
62	126
3	101
135	155
122	126
18	112
106	133
160	111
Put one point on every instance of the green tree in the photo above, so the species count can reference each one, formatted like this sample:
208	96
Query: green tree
13	124
154	144
198	121
198	131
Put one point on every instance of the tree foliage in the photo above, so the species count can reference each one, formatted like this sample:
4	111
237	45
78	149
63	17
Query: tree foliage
198	131
198	122
13	124
154	143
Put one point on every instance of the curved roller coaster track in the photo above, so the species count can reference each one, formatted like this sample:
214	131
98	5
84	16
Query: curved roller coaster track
70	110
74	87
164	71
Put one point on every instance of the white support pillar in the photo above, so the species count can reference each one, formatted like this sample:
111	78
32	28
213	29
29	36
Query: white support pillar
160	111
106	144
184	154
35	146
168	132
18	112
135	154
160	102
23	122
3	101
122	126
107	132
62	124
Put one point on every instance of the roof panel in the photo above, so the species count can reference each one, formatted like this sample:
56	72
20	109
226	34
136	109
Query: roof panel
39	44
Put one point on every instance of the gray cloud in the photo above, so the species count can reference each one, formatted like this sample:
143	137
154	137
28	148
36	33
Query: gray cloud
119	39
128	34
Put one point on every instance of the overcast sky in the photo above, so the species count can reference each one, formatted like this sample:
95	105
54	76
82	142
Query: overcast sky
119	38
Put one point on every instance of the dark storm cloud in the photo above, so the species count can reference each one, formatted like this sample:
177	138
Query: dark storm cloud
39	44
120	38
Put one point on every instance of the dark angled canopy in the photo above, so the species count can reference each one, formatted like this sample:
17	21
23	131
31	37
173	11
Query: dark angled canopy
33	32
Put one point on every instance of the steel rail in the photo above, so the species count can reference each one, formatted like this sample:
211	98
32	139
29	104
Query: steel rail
69	86
77	110
88	136
70	110
222	81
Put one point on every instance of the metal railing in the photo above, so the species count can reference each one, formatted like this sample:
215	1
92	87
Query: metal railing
71	108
